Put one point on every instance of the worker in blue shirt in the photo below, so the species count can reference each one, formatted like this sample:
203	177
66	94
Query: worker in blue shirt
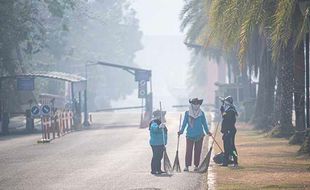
158	140
196	126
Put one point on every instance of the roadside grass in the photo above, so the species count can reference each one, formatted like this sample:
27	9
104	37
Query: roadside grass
264	163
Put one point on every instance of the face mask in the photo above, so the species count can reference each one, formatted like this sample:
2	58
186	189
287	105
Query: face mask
226	106
195	107
163	119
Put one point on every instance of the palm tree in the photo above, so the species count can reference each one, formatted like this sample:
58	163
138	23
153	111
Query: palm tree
235	22
299	94
243	23
305	148
299	86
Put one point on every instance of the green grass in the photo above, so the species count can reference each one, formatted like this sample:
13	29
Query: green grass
264	163
268	187
286	186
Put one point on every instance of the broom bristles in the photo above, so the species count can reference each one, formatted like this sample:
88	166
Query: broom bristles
205	163
167	164
176	165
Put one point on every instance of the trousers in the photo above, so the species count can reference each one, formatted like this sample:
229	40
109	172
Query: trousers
229	147
157	156
189	151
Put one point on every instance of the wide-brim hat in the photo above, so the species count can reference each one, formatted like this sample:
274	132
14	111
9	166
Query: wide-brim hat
158	113
196	101
229	100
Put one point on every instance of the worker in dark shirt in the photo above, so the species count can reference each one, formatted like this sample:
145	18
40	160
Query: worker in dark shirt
228	130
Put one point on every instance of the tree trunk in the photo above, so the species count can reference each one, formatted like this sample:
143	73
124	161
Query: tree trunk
269	93
246	84
299	96
265	97
305	148
278	98
284	101
258	117
229	71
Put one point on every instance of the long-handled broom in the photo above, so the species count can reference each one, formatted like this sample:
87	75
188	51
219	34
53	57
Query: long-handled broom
206	162
213	137
167	164
176	164
218	158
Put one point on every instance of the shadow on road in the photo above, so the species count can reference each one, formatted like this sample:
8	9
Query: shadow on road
111	126
22	132
18	134
146	189
164	175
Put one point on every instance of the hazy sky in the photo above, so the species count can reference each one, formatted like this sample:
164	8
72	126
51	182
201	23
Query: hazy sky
159	17
164	51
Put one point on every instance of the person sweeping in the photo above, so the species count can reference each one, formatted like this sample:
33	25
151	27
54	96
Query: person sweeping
158	140
196	126
229	114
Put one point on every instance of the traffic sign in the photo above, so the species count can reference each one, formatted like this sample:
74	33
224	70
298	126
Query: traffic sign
35	111
142	92
142	75
25	83
46	110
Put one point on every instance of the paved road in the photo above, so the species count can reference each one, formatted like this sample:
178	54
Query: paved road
115	154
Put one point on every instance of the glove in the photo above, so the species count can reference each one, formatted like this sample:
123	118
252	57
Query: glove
179	133
162	126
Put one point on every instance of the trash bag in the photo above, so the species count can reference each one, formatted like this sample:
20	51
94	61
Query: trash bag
219	158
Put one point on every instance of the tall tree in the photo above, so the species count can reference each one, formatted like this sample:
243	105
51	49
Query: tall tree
94	31
234	22
22	30
299	85
22	34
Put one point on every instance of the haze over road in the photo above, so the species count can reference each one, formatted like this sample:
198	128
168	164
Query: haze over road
115	154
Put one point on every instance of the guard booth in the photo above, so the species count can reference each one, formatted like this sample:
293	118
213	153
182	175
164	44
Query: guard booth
27	100
244	97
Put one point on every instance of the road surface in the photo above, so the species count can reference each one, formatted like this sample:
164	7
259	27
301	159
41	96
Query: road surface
114	154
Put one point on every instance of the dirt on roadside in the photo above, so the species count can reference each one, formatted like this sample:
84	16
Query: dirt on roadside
264	163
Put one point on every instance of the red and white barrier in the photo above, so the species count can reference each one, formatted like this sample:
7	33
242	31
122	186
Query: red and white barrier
60	124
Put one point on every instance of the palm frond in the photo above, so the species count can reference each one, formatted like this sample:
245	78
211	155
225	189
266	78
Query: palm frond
282	24
186	8
304	28
190	13
217	9
253	16
197	28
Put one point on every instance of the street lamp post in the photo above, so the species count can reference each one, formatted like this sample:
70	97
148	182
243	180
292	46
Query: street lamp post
304	6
